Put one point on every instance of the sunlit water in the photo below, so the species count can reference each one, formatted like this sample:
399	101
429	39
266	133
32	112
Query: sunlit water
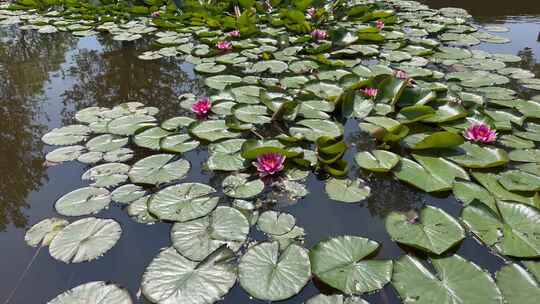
45	79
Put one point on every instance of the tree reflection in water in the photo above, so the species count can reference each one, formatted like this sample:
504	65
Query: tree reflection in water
115	75
26	61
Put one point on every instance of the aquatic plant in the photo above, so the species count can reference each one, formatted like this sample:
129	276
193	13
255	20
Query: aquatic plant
284	91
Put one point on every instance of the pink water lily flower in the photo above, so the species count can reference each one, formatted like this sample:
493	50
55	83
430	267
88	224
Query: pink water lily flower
370	92
480	132
269	164
319	34
224	46
155	14
401	74
234	34
379	24
202	107
311	12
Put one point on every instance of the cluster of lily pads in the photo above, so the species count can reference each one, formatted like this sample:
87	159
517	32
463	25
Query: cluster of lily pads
284	77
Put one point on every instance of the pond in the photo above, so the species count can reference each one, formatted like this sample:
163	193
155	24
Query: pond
47	78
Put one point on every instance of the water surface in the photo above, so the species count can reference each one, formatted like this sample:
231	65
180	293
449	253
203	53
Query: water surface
45	79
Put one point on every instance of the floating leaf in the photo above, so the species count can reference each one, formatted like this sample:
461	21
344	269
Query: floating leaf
491	182
340	262
138	210
442	139
85	240
475	156
212	130
127	193
275	223
377	160
158	169
107	175
67	135
94	292
150	138
172	278
451	284
180	143
269	275
435	231
468	192
516	232
517	180
517	285
200	237
183	202
335	299
129	124
348	191
44	232
106	143
83	201
239	186
64	154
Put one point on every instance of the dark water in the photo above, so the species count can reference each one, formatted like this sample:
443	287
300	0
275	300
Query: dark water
45	79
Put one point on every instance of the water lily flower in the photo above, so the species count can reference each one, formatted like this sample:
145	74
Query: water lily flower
311	12
202	107
319	34
401	74
269	164
370	92
379	24
234	34
155	14
224	45
480	132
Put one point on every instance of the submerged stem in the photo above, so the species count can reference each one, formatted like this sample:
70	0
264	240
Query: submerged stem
23	275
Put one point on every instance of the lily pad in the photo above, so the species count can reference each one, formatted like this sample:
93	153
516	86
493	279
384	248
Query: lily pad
475	156
270	275
515	232
340	262
85	240
377	160
213	130
83	201
451	284
67	135
94	292
434	231
518	285
158	169
200	237
107	175
45	231
127	193
183	202
275	223
346	190
239	186
172	278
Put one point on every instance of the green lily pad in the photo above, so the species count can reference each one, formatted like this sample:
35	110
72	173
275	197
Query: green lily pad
517	180
275	223
172	278
64	154
435	231
212	130
179	143
475	156
85	240
94	292
348	191
312	129
467	192
129	124
270	275
442	139
515	232
106	143
183	202
377	160
150	138
210	68
220	82
198	238
225	156
451	284
158	169
335	299
44	232
491	182
138	211
340	262
126	194
107	175
518	285
68	135
239	186
83	201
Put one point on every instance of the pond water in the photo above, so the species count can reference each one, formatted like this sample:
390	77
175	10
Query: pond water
45	79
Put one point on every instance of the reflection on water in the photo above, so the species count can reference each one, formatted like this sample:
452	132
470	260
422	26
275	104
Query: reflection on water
25	64
47	78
